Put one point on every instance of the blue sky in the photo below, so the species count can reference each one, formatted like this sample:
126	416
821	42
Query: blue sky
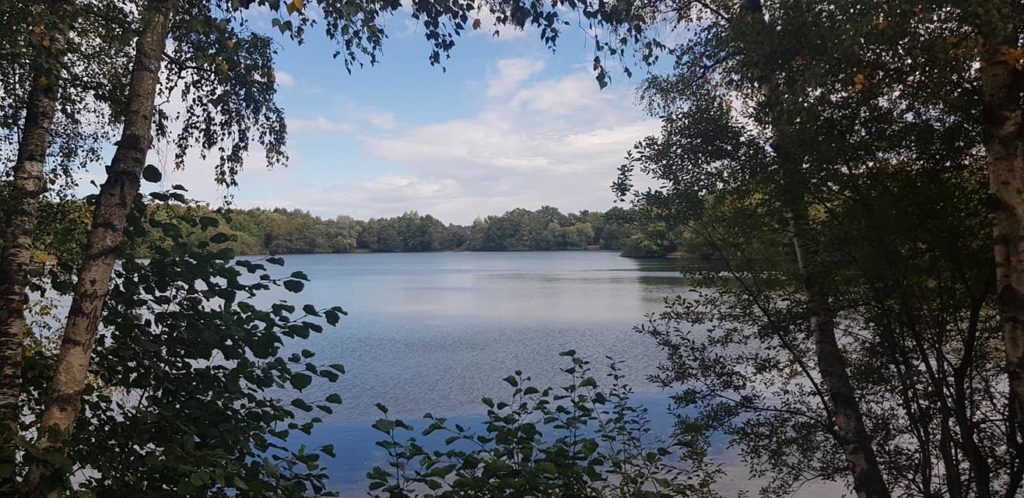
508	124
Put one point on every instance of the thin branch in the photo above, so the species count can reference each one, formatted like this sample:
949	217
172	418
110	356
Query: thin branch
186	66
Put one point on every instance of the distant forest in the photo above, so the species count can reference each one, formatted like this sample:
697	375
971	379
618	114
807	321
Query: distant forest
284	231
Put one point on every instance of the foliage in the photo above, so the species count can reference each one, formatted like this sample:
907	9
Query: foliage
99	42
819	107
575	440
193	386
282	231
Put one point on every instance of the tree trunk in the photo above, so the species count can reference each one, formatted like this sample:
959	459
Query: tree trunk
28	184
109	216
1002	85
868	480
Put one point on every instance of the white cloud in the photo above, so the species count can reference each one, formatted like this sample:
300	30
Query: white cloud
356	118
510	74
557	141
283	78
381	120
319	124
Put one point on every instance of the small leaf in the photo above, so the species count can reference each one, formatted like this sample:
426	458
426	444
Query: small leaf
208	222
332	317
294	285
151	174
301	381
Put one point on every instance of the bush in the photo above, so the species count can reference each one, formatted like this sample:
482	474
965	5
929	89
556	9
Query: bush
578	440
192	392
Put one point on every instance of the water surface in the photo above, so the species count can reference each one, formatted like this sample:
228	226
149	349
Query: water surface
435	332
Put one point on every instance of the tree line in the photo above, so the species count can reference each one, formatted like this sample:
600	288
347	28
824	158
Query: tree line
283	231
257	231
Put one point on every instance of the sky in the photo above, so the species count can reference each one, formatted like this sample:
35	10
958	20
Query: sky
506	124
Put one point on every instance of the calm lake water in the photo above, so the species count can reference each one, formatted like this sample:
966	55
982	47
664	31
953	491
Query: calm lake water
435	332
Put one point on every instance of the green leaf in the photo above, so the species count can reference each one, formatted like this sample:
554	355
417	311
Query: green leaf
301	380
332	317
219	238
151	174
547	467
334	398
208	222
302	405
294	285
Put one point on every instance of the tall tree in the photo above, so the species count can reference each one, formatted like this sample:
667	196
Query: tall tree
832	364
749	45
59	57
117	194
26	188
1000	26
873	97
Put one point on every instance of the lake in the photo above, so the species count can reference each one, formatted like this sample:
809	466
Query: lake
435	332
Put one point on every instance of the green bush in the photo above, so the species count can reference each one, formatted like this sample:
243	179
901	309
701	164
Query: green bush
192	392
578	440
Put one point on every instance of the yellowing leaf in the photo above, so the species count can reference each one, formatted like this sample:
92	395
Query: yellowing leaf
476	23
858	82
46	42
223	68
229	43
1014	55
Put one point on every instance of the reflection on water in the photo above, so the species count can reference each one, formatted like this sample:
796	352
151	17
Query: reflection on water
435	332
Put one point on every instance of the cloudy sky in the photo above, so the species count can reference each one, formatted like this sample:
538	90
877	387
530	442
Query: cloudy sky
507	124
